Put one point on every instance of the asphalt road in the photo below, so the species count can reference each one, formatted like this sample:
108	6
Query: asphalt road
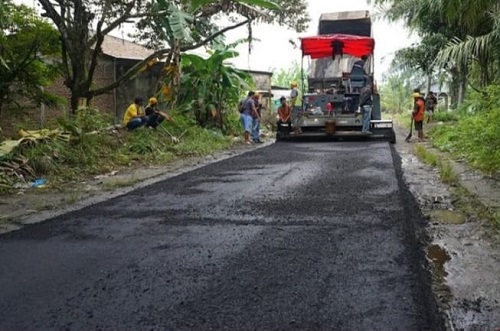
294	236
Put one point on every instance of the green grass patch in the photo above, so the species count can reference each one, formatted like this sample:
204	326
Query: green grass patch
446	173
445	116
475	136
425	156
402	120
93	150
469	205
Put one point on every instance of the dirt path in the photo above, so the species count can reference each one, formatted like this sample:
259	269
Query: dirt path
465	252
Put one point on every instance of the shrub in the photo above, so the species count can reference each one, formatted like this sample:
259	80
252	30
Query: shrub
476	135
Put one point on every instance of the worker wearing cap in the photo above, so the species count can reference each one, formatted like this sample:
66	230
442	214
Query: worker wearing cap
153	114
418	114
295	104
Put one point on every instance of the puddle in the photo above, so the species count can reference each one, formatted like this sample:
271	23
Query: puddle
439	257
447	216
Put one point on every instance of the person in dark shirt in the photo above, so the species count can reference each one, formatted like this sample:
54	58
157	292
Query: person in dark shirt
248	112
256	119
365	104
430	105
154	115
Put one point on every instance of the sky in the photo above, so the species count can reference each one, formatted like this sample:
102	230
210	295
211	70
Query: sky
274	51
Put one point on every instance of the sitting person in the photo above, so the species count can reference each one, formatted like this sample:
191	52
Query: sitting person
284	115
155	116
134	117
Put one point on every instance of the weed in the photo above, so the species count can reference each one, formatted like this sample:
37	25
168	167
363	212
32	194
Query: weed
92	150
447	174
445	116
471	206
445	169
475	136
425	156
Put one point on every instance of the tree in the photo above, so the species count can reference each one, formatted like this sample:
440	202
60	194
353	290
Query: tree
28	47
208	86
471	27
284	77
420	58
395	92
81	44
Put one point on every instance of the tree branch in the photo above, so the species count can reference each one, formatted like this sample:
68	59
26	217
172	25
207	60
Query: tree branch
213	36
160	53
113	25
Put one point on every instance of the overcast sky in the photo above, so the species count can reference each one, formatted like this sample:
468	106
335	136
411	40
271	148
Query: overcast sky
274	50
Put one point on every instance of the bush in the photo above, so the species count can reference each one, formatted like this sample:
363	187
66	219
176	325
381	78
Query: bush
445	116
476	134
91	152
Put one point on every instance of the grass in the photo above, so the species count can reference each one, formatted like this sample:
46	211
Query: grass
469	205
446	173
402	120
473	135
463	200
92	151
425	156
445	116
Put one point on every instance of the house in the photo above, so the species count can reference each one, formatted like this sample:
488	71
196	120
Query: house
118	56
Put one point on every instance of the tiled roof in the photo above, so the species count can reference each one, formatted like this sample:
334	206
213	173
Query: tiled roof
123	49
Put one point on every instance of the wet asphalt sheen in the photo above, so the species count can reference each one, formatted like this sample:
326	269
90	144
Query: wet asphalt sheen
294	236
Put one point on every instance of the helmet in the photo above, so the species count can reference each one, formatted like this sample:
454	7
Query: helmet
153	101
416	95
294	83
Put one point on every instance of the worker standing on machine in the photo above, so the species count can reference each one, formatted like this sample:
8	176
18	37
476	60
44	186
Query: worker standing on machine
295	105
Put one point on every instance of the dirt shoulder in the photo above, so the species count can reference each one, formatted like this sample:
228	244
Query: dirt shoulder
464	246
33	205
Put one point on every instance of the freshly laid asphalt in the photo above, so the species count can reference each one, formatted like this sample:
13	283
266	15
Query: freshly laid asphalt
294	236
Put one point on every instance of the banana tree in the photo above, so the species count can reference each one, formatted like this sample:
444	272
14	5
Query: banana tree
209	86
188	22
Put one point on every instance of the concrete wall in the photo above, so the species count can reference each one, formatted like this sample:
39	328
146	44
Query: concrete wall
143	85
262	80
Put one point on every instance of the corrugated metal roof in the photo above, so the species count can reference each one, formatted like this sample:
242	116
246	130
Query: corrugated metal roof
123	49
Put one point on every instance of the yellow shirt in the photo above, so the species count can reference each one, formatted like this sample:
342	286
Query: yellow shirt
132	111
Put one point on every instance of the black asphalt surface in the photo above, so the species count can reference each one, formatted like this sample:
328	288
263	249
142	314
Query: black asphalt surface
294	236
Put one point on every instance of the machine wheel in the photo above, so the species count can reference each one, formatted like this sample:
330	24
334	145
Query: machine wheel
392	137
280	136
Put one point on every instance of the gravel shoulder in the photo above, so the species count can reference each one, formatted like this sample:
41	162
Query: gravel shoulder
464	250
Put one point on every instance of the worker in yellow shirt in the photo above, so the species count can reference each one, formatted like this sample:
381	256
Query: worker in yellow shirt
134	117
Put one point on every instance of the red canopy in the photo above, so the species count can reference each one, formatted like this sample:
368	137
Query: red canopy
322	46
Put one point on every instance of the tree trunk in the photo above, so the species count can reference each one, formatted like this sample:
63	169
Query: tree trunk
462	87
429	83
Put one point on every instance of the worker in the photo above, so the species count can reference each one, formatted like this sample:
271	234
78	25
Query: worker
248	112
365	104
155	117
284	116
295	105
418	115
358	68
256	119
134	116
430	106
